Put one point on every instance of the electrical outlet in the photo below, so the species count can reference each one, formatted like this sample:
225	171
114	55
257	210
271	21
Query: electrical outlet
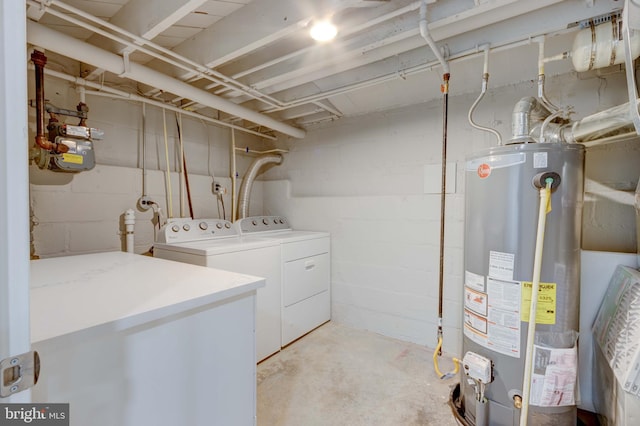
218	188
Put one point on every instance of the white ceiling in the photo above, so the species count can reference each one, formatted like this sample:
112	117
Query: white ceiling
261	51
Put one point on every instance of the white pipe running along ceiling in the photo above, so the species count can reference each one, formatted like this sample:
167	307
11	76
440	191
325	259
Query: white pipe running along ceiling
48	39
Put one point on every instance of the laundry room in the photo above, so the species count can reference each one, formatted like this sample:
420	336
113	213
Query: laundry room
359	217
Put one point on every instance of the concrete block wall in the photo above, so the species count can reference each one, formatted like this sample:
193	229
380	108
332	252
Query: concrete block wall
368	181
82	212
85	215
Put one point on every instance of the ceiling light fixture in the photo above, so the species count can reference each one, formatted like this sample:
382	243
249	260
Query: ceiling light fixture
323	31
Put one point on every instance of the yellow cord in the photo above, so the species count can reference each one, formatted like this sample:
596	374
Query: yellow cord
456	363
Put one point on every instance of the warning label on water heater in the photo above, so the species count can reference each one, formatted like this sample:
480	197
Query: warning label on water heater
492	318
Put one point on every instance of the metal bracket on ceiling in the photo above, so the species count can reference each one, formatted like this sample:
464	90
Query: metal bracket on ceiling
126	64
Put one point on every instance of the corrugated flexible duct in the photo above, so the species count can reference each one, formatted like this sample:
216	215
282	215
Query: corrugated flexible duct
249	177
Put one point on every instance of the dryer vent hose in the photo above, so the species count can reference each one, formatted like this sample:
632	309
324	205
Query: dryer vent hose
247	182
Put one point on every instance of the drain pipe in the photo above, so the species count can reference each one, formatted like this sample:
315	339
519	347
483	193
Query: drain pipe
249	177
129	224
551	181
424	32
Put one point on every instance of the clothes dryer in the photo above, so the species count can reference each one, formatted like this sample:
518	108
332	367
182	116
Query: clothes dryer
305	266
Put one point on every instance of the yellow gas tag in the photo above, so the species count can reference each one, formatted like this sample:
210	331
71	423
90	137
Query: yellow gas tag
546	308
73	158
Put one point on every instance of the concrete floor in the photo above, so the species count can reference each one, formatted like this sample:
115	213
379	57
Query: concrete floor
337	375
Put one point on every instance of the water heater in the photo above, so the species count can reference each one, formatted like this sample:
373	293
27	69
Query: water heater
501	219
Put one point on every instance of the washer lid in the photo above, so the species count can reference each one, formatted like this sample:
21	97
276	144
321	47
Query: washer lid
218	246
292	236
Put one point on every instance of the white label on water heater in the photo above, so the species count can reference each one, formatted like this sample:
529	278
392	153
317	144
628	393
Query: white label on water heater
539	160
474	281
554	377
503	333
501	265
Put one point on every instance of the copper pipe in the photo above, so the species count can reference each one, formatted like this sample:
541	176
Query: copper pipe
40	60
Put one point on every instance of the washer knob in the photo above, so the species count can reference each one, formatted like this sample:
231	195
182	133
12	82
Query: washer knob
175	228
281	221
203	226
219	225
227	225
186	227
265	221
254	222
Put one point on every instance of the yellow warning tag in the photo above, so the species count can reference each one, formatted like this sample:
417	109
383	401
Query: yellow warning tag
73	158
546	308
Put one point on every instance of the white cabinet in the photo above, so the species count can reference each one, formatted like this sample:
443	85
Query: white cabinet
130	340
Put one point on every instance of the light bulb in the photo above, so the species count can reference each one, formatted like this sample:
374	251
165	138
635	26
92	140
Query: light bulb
323	31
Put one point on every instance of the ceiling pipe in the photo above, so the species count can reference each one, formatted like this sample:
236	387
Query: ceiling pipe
76	49
156	51
110	92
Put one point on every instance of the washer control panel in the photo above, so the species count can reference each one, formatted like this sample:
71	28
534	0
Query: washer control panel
182	230
252	224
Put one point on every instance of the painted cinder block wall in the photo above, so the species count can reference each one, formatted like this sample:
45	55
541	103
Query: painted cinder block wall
373	182
82	212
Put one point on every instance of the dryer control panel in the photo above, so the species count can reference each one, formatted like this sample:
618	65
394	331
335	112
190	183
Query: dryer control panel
183	230
262	224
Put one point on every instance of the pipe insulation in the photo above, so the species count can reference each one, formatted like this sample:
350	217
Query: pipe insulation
71	47
249	177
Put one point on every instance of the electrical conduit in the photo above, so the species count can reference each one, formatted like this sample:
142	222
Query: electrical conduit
545	207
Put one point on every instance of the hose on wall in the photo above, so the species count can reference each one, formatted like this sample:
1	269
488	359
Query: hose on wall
249	177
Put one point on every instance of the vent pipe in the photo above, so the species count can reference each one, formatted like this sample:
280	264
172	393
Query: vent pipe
249	177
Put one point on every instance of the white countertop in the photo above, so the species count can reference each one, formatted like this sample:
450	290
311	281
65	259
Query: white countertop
121	290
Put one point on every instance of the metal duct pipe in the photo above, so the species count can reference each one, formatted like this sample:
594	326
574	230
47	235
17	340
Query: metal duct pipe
605	126
71	47
527	112
249	177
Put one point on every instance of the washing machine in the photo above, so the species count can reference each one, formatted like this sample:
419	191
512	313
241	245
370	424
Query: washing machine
216	243
305	266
